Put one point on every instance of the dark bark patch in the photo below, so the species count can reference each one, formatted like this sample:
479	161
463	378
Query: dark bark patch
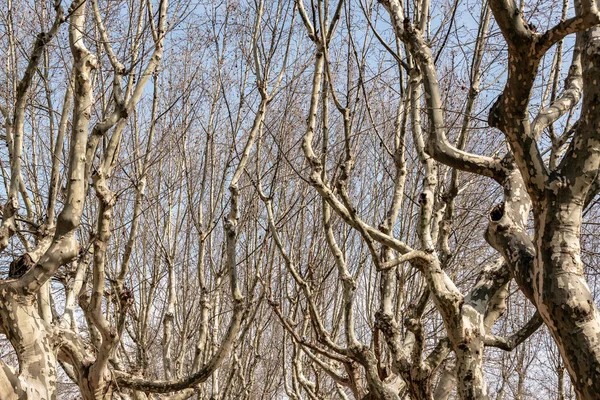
497	212
20	266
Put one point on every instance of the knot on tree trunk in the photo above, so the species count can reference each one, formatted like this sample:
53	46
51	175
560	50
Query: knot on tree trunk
497	212
20	266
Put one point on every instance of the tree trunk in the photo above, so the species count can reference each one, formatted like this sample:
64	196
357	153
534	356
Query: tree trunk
30	337
469	357
563	296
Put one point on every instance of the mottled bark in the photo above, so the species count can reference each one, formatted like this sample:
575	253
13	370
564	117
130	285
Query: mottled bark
464	317
552	263
31	337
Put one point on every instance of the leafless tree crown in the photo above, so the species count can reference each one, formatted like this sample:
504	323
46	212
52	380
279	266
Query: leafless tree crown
299	199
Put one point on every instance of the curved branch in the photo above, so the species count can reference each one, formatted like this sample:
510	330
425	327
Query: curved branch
509	343
438	145
568	98
162	386
586	18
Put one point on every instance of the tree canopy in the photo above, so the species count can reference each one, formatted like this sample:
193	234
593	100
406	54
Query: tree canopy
299	199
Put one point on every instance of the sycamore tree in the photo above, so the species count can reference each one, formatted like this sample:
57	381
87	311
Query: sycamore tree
545	261
110	197
299	199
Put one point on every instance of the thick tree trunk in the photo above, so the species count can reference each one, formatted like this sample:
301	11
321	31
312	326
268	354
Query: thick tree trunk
550	272
32	341
469	358
551	266
563	296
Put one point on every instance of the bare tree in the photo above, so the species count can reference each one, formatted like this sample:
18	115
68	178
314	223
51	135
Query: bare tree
302	199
